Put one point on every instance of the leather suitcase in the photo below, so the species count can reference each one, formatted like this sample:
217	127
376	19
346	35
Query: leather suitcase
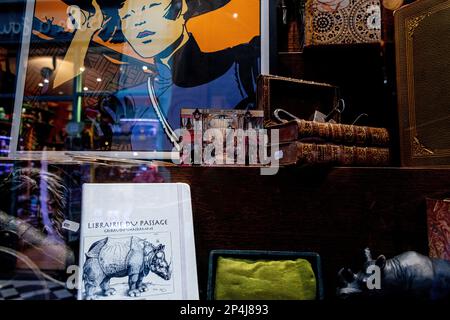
299	97
423	68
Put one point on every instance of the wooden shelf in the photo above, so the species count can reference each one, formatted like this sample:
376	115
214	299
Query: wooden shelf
336	212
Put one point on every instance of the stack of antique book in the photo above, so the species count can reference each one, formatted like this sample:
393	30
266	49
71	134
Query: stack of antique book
310	142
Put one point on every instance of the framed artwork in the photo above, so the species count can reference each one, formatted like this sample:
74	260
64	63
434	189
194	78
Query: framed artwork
110	77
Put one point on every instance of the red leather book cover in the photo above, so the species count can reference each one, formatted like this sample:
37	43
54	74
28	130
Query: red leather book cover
438	218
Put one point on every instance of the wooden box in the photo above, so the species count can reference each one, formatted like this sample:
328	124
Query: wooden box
299	97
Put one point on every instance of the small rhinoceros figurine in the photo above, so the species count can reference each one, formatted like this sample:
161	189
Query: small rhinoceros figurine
409	274
115	258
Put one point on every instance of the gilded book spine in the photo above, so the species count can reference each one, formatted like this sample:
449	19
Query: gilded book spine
341	155
344	134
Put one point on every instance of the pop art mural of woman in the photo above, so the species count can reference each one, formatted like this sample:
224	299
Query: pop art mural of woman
184	76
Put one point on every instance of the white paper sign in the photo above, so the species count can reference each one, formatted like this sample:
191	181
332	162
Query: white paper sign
137	242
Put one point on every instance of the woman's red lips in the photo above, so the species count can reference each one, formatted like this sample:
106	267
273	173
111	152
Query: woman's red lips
145	33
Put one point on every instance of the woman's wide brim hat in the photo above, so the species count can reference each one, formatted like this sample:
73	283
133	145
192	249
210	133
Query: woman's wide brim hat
195	7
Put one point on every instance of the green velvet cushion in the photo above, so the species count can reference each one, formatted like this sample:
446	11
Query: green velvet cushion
240	279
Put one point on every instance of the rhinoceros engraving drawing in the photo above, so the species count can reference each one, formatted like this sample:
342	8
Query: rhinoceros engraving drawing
115	258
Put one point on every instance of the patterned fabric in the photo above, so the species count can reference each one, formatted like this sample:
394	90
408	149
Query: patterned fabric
438	216
33	290
342	22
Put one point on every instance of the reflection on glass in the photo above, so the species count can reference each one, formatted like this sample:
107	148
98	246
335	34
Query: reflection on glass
7	88
35	199
33	249
11	30
114	75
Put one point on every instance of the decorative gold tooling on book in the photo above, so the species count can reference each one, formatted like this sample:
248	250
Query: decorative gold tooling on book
419	149
415	22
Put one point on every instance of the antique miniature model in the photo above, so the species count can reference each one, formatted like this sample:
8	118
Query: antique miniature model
115	258
409	274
